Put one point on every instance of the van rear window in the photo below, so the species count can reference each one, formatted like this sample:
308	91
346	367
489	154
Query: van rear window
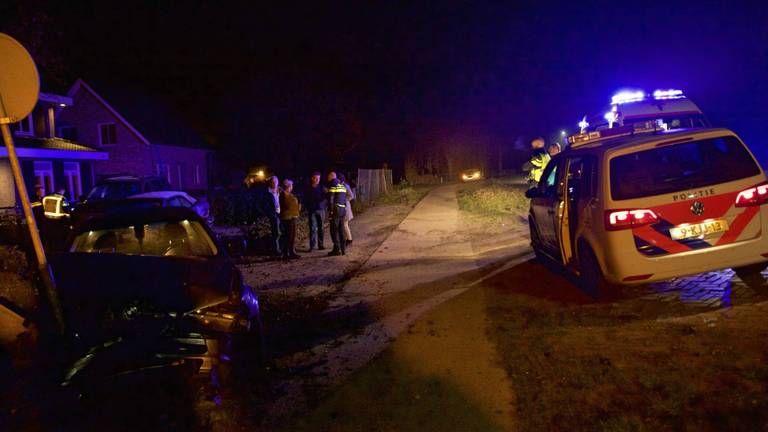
680	167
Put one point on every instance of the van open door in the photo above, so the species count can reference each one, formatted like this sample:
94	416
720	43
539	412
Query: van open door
563	216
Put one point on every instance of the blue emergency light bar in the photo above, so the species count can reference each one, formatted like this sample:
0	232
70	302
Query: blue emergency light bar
668	94
628	96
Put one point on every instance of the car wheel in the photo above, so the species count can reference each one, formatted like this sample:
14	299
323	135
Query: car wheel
536	242
752	274
591	278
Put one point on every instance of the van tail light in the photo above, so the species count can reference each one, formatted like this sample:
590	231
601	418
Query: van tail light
753	196
630	218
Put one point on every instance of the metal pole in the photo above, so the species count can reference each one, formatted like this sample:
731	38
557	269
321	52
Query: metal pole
43	265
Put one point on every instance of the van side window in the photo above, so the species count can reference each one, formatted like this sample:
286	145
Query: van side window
549	176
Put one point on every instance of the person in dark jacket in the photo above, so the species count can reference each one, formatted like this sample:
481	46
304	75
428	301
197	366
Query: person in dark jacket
337	209
289	212
271	208
315	201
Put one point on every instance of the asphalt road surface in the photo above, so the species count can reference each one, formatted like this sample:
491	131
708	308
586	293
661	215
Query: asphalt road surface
426	296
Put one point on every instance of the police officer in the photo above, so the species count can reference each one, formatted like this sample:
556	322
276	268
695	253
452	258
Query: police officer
537	162
337	209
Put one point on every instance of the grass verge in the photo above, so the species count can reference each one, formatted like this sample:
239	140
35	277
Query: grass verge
494	199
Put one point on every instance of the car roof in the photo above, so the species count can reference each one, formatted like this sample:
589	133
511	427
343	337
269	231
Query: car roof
138	216
640	139
162	195
119	178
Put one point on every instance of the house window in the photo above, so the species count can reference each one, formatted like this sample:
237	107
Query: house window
68	133
107	133
74	183
44	176
164	171
197	174
24	127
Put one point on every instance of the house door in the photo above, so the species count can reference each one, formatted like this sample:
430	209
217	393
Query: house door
74	182
44	176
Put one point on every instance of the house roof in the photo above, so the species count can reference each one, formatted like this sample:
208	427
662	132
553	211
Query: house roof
53	148
153	121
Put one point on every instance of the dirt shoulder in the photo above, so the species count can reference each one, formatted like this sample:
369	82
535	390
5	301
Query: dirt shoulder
524	349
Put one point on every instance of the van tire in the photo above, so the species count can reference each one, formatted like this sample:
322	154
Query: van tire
591	277
752	274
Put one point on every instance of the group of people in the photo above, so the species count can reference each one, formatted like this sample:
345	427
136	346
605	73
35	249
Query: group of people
539	159
331	200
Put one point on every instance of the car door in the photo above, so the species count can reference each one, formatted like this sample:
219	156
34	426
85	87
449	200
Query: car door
577	192
545	204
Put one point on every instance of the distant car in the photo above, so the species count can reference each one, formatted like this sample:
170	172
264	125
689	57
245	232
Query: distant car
106	192
119	187
159	267
471	175
634	207
173	199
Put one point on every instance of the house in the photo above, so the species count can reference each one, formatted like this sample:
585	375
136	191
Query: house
46	158
142	136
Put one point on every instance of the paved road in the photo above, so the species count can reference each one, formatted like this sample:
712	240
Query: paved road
424	262
441	365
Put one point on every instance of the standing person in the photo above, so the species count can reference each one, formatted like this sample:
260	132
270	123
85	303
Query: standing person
537	162
271	208
289	212
315	201
348	215
337	208
554	149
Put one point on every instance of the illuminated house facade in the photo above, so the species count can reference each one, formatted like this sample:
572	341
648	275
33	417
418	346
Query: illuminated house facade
142	136
47	159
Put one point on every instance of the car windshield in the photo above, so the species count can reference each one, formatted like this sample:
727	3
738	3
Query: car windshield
114	190
679	167
172	238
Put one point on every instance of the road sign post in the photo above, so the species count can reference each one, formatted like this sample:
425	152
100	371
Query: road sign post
19	90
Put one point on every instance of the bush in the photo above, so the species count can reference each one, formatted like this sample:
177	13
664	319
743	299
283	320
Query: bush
233	208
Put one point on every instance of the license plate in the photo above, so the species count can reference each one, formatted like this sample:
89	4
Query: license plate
697	230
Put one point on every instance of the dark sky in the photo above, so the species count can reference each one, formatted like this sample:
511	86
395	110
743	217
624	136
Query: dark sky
252	75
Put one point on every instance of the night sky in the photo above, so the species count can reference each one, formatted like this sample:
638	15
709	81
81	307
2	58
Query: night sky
382	77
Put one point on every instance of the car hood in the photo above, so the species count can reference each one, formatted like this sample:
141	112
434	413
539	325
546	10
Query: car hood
92	284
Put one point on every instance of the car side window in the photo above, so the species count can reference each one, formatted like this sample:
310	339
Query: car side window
581	177
183	202
549	177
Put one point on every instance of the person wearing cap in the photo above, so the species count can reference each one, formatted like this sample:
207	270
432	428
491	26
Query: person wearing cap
315	201
554	149
337	209
289	213
537	162
348	215
271	208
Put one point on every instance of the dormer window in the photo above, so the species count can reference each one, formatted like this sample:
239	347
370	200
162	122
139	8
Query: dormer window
25	127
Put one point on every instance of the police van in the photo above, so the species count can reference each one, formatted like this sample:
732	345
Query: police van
671	109
637	203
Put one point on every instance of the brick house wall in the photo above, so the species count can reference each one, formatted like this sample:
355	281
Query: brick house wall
185	168
130	155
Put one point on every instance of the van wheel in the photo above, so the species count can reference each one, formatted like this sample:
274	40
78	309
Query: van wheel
591	279
752	274
535	242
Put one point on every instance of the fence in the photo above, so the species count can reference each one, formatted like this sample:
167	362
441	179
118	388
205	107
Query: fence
372	183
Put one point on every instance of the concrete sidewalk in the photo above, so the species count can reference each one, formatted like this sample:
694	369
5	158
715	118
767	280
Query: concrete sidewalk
427	246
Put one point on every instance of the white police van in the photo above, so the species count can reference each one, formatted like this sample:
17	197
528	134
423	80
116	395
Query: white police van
636	203
671	109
